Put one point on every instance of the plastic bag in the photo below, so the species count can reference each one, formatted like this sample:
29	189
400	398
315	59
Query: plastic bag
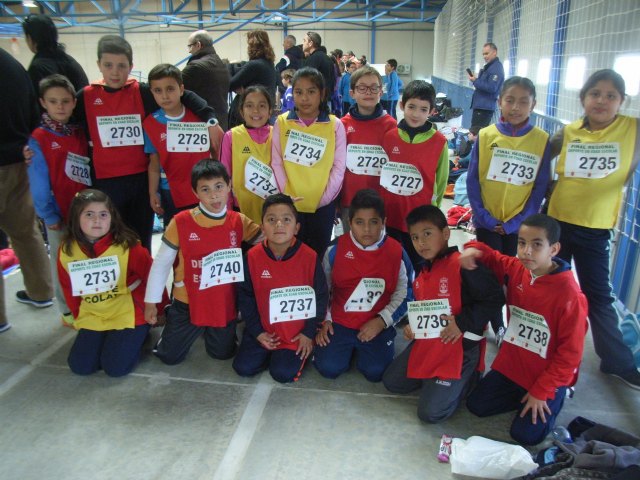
484	458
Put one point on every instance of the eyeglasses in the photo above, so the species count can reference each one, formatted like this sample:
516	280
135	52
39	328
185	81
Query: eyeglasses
365	89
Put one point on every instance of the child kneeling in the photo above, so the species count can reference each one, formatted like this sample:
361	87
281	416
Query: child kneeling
282	298
447	321
368	273
542	347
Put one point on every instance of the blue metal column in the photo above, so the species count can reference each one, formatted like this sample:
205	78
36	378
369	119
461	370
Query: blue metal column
559	42
515	36
472	50
372	58
489	29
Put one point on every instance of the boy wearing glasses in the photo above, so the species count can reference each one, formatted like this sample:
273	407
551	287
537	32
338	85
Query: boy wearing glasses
418	166
365	124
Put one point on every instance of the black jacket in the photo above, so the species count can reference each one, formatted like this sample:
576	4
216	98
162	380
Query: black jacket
208	76
44	64
321	62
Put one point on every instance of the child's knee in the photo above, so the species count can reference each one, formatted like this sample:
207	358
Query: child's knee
244	369
373	373
81	368
525	432
282	374
328	367
431	415
169	358
222	352
476	407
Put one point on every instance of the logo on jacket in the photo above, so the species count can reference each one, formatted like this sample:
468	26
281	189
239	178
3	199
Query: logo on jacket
55	145
350	129
494	145
163	137
246	150
98	101
193	236
349	255
395	150
444	286
233	238
265	274
520	288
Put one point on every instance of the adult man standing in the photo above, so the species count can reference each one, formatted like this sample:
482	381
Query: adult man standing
207	75
318	59
18	117
487	86
292	58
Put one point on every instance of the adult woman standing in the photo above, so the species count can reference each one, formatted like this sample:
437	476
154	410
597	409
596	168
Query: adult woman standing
259	70
50	57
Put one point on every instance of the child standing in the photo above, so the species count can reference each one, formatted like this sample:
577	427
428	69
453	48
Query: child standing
598	156
345	87
59	167
391	87
282	299
175	140
446	322
308	158
365	126
368	276
509	169
246	153
112	111
103	273
542	348
418	167
206	240
287	98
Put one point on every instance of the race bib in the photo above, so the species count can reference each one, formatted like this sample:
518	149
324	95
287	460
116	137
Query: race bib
220	267
77	169
513	166
95	275
187	137
365	295
424	317
291	303
401	179
366	159
259	178
591	160
528	330
304	149
120	130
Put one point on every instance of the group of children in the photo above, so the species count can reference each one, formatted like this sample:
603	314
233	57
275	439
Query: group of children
251	233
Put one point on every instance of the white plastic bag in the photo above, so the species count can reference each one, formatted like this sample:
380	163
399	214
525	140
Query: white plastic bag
481	457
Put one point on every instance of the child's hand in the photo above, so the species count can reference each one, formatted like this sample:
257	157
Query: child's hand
537	407
270	341
468	257
150	313
154	200
499	229
305	345
322	337
215	139
56	226
297	199
451	333
408	333
28	154
371	329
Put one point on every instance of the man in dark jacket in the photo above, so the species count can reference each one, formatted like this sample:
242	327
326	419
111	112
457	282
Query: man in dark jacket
292	58
318	59
207	75
487	86
18	117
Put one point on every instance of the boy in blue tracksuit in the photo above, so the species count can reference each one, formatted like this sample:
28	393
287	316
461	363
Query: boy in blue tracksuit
345	87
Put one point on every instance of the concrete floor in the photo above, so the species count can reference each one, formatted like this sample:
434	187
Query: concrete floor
199	420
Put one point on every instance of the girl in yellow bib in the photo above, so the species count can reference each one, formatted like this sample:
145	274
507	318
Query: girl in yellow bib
246	153
308	157
103	272
598	155
509	171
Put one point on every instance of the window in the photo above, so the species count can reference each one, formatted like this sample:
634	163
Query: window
629	67
544	71
574	79
506	66
523	67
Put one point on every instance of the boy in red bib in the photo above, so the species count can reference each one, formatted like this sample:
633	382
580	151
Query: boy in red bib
207	241
175	139
282	299
542	347
59	168
418	167
446	322
112	110
369	277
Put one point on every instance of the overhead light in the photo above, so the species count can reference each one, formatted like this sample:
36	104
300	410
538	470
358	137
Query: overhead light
29	4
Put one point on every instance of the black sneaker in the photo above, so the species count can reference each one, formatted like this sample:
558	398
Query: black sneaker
632	379
22	297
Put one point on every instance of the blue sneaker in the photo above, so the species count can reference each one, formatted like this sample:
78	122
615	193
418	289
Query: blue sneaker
22	297
4	327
